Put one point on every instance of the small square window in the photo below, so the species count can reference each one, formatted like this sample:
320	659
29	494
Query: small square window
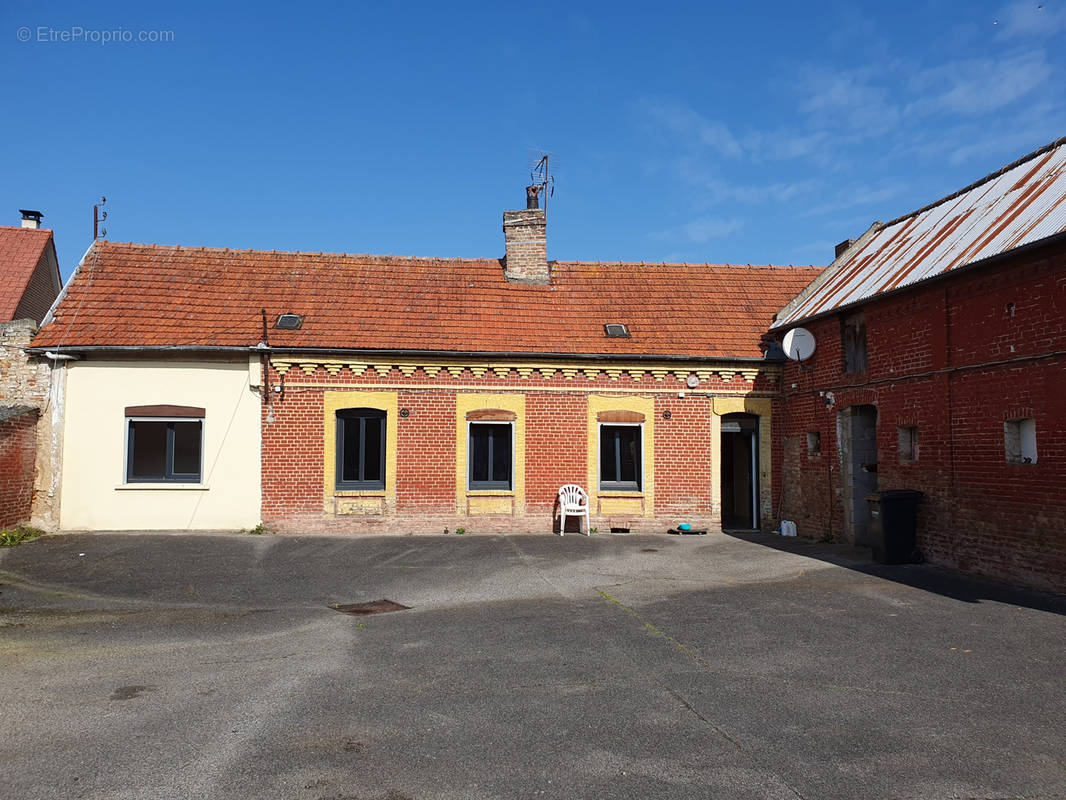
489	453
814	443
1019	441
907	443
616	330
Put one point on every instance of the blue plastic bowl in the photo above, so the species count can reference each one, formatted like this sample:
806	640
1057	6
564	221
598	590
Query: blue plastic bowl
684	526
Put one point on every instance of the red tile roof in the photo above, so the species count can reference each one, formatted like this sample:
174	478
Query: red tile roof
146	295
20	251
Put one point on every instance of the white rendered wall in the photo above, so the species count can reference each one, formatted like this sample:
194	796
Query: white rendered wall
94	493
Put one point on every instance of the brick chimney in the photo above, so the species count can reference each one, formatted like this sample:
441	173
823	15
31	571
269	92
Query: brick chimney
525	233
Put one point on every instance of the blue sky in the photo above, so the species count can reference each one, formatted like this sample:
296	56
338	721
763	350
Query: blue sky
729	133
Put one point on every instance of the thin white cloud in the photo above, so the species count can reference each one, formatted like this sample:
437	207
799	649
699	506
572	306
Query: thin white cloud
1026	18
977	86
848	98
694	128
718	190
701	231
859	195
783	144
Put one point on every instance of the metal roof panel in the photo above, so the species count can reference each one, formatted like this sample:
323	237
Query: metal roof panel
1018	205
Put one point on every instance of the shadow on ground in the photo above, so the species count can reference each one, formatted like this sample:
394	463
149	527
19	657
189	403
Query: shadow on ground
927	577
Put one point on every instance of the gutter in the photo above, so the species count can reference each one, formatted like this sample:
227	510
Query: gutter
261	348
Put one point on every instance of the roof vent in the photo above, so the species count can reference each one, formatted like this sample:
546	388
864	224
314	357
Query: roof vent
289	322
30	219
616	330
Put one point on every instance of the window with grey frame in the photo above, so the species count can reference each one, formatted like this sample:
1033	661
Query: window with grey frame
620	458
490	455
360	448
164	450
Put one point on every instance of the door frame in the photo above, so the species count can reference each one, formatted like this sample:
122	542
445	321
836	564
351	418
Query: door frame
754	437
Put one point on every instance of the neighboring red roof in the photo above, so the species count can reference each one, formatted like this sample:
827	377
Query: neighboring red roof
146	295
20	251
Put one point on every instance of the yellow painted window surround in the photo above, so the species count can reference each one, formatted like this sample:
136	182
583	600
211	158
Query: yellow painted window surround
493	409
628	410
334	401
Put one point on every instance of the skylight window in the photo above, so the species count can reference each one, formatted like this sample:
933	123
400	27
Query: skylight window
616	330
289	322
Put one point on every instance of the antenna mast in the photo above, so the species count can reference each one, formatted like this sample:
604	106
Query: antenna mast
98	217
542	182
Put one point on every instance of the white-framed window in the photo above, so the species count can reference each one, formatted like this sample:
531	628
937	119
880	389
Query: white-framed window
621	456
490	455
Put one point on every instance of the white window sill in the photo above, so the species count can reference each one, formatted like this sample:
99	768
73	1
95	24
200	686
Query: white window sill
172	487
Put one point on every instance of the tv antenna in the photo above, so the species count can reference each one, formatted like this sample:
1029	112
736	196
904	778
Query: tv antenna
98	217
541	184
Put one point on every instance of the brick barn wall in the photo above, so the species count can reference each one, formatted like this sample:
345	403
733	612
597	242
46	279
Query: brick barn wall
18	451
955	360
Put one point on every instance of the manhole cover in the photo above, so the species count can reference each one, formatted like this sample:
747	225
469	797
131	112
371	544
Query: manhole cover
373	607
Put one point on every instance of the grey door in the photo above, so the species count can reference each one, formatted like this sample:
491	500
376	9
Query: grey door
858	453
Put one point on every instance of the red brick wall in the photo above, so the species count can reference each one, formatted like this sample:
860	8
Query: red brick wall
955	360
556	447
682	457
292	456
556	423
18	449
425	455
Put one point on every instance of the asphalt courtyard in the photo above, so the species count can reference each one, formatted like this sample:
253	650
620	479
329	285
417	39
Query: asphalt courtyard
624	666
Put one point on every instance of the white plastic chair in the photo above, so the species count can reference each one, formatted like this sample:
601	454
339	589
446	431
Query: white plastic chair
573	501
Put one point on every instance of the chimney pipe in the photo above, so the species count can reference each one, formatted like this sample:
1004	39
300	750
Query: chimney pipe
31	219
842	248
525	235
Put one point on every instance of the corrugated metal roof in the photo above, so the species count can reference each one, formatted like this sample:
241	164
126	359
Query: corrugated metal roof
1020	204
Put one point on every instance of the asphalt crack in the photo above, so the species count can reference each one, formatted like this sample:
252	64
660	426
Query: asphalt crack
706	665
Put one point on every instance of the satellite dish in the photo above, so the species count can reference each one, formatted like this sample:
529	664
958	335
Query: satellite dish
798	344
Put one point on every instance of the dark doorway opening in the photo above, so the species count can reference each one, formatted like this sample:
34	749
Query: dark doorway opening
740	471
